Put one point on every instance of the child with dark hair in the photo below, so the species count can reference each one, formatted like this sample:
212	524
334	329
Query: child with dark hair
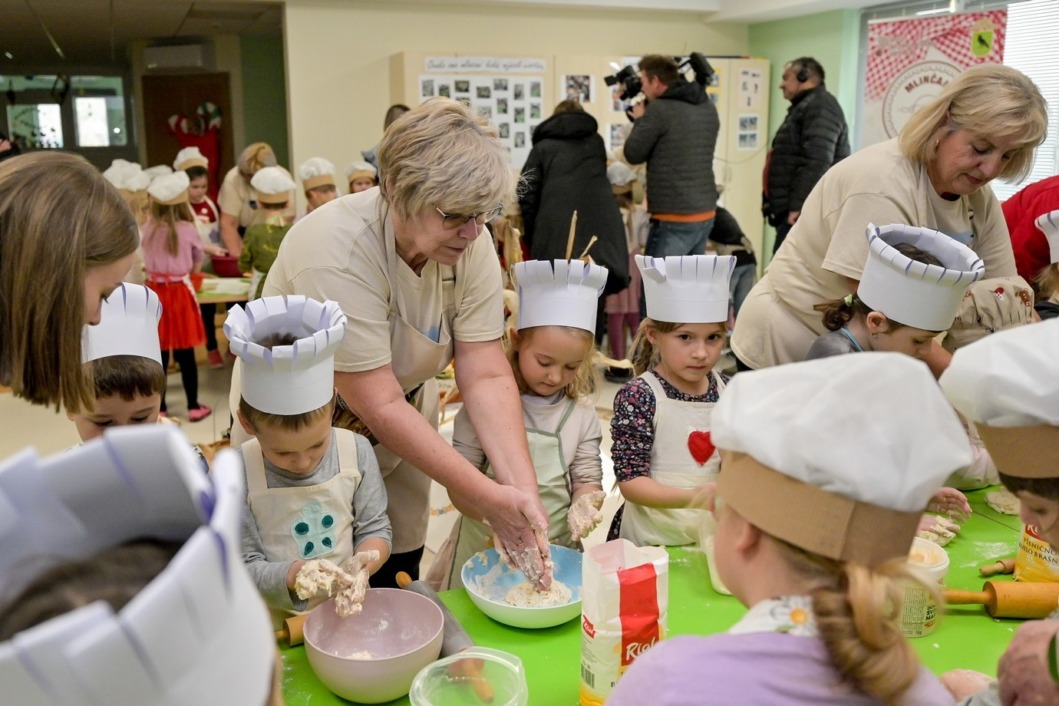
1007	385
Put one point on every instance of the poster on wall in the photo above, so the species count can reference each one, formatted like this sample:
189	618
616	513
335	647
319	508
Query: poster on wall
911	60
577	88
748	132
513	103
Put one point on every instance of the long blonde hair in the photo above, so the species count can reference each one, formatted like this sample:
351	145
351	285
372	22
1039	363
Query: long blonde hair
858	613
58	218
584	382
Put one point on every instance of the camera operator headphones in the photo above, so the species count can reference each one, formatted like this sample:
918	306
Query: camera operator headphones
802	75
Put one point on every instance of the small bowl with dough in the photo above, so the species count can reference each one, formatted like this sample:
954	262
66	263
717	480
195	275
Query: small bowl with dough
372	657
507	597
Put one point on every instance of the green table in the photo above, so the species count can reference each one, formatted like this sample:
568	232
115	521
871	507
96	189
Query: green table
967	637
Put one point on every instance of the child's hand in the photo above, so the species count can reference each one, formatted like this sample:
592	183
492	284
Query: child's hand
350	598
214	250
584	514
951	503
937	529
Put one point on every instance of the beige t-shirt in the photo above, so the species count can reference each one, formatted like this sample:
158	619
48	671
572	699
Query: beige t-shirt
876	185
338	252
237	198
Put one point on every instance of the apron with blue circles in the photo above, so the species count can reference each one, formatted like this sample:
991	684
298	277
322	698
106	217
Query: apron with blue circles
309	522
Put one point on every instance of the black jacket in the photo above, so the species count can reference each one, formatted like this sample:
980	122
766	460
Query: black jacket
566	171
677	136
813	137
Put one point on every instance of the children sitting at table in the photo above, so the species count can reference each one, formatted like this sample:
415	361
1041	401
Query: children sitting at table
313	492
815	518
661	447
262	239
551	356
1007	385
318	181
123	358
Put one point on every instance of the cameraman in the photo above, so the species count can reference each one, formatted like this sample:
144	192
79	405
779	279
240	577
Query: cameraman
675	132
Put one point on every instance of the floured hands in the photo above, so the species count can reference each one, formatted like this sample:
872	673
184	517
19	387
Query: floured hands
584	514
319	579
518	526
937	529
950	502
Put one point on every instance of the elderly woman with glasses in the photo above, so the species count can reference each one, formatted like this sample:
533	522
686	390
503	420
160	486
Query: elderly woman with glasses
421	288
986	123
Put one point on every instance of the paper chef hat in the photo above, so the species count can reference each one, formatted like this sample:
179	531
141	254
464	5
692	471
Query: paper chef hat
272	185
849	486
171	189
1007	385
128	325
315	172
197	633
620	178
288	379
1048	223
358	170
559	293
126	176
692	289
158	170
914	293
189	157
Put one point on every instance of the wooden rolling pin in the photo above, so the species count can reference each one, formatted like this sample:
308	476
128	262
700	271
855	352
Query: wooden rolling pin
293	629
1000	566
455	640
1009	599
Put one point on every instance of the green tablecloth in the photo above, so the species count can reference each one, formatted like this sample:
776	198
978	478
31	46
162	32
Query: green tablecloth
967	637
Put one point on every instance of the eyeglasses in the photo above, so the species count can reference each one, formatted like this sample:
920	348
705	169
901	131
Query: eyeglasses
453	221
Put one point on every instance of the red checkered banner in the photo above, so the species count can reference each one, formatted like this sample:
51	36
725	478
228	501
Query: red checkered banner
911	60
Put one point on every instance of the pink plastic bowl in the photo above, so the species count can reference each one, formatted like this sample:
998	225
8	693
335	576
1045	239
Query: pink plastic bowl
374	656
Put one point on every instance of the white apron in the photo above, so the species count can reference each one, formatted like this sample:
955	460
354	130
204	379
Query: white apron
553	483
682	456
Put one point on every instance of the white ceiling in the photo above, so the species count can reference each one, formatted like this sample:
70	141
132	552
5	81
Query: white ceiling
87	30
96	32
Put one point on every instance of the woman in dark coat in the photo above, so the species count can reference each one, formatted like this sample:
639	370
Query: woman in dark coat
567	171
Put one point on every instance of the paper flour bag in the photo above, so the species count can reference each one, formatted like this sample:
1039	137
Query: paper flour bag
624	599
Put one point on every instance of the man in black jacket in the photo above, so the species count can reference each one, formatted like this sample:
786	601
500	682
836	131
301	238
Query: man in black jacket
7	148
813	137
675	133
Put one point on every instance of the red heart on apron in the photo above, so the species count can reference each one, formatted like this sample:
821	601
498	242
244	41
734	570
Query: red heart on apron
701	446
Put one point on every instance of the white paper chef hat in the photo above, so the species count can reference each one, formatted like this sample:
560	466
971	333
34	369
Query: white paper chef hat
316	171
198	633
288	379
119	170
692	289
359	169
189	157
839	455
620	178
1008	385
128	325
158	170
1048	223
170	189
272	185
559	293
137	181
914	293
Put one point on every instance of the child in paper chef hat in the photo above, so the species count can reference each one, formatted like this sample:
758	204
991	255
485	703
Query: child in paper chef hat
132	182
813	537
361	176
661	427
1007	385
314	492
623	308
318	180
551	356
1047	280
123	358
262	239
172	250
910	290
126	586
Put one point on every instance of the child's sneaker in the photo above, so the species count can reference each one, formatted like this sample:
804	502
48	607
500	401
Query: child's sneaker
214	359
199	413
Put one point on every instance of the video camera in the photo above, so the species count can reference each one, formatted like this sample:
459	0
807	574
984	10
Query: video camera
629	77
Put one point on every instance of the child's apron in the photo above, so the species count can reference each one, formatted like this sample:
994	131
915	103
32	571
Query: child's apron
682	456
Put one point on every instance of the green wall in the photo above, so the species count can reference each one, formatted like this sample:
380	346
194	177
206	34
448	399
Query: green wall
833	39
265	93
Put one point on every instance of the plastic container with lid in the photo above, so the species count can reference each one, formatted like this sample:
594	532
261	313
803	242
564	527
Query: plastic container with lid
477	675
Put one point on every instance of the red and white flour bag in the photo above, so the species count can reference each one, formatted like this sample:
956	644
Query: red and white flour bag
624	600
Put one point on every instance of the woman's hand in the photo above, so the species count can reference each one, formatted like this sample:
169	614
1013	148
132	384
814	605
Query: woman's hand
520	530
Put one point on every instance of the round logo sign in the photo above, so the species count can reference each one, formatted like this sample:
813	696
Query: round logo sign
912	89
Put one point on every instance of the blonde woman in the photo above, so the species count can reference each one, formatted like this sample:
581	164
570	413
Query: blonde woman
67	239
421	289
237	199
985	124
